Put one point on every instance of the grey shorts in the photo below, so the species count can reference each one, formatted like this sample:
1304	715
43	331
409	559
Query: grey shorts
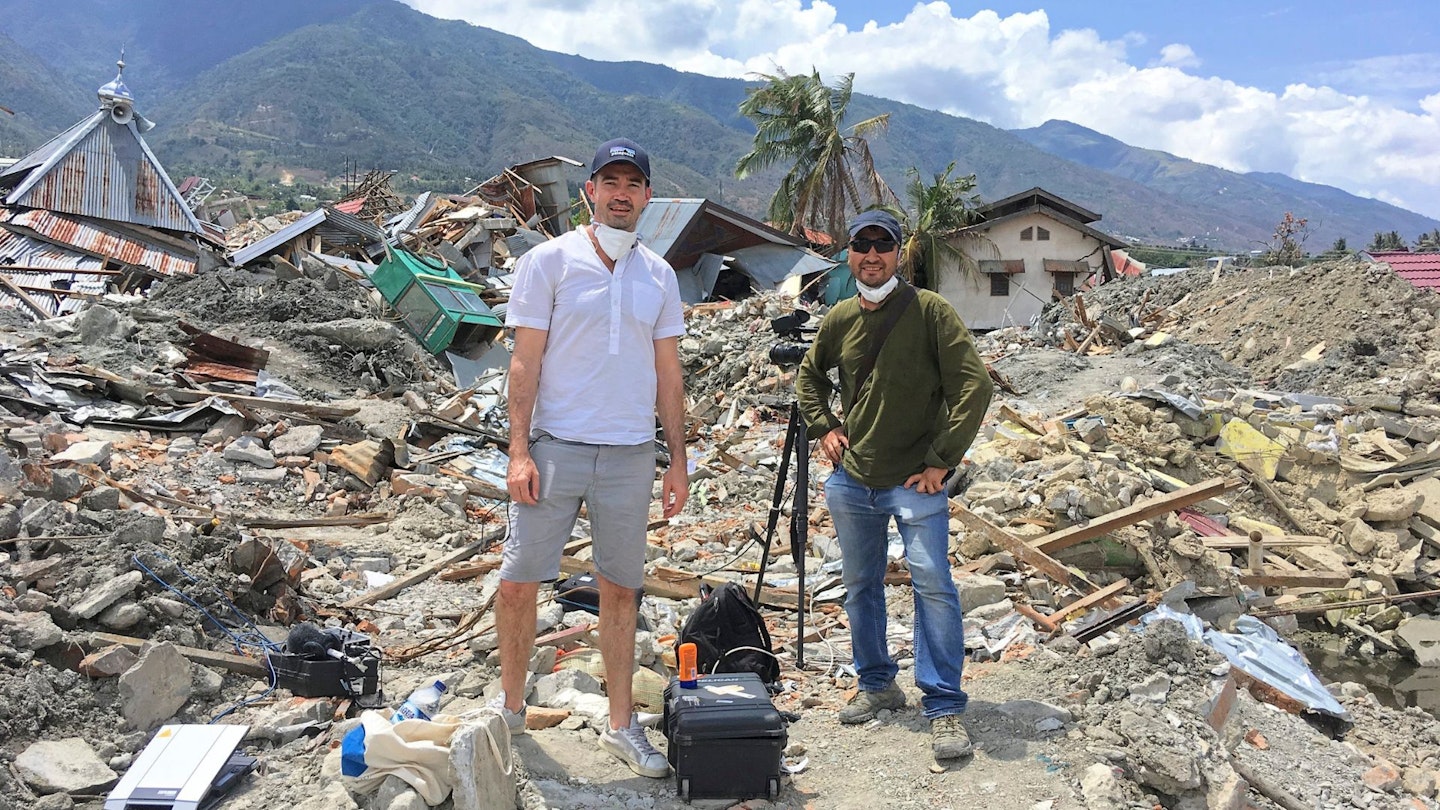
615	482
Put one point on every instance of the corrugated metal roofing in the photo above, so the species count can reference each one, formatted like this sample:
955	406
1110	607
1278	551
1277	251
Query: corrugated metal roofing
19	250
663	222
103	169
91	237
35	284
335	228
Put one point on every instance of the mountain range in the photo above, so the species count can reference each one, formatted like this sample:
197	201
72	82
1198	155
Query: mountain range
247	92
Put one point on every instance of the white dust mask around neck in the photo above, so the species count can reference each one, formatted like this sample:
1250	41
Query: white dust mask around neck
877	294
613	241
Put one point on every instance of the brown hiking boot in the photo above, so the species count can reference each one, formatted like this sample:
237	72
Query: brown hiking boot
865	705
948	738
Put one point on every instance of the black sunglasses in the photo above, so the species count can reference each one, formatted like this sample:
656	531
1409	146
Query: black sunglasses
867	245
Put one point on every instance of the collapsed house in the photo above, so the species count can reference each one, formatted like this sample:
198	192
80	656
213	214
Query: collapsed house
719	253
93	211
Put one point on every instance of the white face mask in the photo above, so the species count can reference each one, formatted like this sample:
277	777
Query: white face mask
615	242
877	294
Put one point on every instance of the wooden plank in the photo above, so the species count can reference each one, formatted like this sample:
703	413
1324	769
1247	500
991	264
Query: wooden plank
1065	538
361	519
239	664
1101	596
472	570
1268	490
220	350
560	638
1024	552
1231	542
1297	579
318	410
1019	419
219	371
421	574
31	304
1049	623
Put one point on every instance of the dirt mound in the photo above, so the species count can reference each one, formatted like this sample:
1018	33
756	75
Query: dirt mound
1336	328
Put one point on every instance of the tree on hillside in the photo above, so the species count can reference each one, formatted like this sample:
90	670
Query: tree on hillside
934	225
1387	241
800	123
1287	245
1428	242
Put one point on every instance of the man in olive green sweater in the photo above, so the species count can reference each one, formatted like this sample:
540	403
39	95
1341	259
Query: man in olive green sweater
909	414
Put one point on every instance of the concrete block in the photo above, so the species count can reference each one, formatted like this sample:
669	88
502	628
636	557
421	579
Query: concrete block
1387	505
1422	636
542	717
101	499
480	755
249	450
109	662
63	766
122	615
978	590
1383	777
550	687
30	631
106	594
85	453
156	687
298	441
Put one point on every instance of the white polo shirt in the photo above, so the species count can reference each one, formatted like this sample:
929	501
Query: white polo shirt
597	375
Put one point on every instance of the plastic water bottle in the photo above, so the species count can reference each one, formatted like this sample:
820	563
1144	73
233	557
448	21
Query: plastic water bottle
422	704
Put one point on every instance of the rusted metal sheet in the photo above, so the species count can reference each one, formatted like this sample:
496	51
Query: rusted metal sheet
95	239
20	251
107	172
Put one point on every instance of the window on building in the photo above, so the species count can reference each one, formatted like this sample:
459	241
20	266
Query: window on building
999	284
1027	235
1065	283
1041	235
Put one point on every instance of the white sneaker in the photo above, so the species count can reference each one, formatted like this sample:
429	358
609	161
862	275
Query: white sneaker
632	747
514	720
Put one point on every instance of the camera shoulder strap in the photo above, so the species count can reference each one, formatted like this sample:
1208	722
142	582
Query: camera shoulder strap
904	297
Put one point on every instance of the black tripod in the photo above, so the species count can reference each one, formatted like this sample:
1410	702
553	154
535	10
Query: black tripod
797	445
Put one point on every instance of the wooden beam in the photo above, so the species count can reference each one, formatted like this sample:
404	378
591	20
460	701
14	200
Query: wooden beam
239	664
1329	606
362	519
1101	596
1019	419
425	572
1024	552
1074	535
31	304
1232	542
1268	490
1297	579
318	410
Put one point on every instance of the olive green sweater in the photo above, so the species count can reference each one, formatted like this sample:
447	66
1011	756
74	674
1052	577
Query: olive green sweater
923	402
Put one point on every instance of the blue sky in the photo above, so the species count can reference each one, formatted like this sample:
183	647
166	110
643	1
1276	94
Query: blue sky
1342	93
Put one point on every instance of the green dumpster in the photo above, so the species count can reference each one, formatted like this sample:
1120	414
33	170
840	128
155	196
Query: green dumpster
443	310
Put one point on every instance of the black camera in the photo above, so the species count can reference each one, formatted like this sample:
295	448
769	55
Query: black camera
791	350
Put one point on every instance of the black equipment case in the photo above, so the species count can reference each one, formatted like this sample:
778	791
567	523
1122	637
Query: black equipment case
725	738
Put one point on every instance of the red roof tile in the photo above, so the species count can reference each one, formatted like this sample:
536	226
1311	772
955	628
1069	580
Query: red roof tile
1420	269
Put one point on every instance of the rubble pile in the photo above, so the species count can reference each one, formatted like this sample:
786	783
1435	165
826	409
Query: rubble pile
189	476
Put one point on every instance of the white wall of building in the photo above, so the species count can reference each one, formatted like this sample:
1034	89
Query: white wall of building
1031	290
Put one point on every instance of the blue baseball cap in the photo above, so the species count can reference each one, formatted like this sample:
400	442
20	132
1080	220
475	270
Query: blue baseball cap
620	150
877	219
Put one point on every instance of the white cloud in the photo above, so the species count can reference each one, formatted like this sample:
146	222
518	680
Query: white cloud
1016	71
1178	55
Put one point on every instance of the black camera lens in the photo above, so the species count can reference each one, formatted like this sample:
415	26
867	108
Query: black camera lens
787	354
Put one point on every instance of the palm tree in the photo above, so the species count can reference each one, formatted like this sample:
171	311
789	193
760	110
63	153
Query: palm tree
800	121
942	211
1428	242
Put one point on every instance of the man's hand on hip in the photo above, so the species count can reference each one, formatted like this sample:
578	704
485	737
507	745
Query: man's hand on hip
834	445
675	489
928	481
522	479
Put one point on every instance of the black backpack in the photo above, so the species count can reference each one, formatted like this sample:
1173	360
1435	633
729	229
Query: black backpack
729	635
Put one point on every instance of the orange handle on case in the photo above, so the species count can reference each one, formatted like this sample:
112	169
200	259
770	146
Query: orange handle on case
688	674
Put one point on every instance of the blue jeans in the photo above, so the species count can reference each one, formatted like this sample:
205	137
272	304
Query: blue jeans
862	517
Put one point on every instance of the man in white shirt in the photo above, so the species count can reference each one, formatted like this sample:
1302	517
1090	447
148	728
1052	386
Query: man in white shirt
597	322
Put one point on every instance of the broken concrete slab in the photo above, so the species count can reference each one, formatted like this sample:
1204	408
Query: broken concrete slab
106	594
30	631
363	334
1422	636
110	662
85	453
978	590
298	441
1386	505
156	687
69	765
249	450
